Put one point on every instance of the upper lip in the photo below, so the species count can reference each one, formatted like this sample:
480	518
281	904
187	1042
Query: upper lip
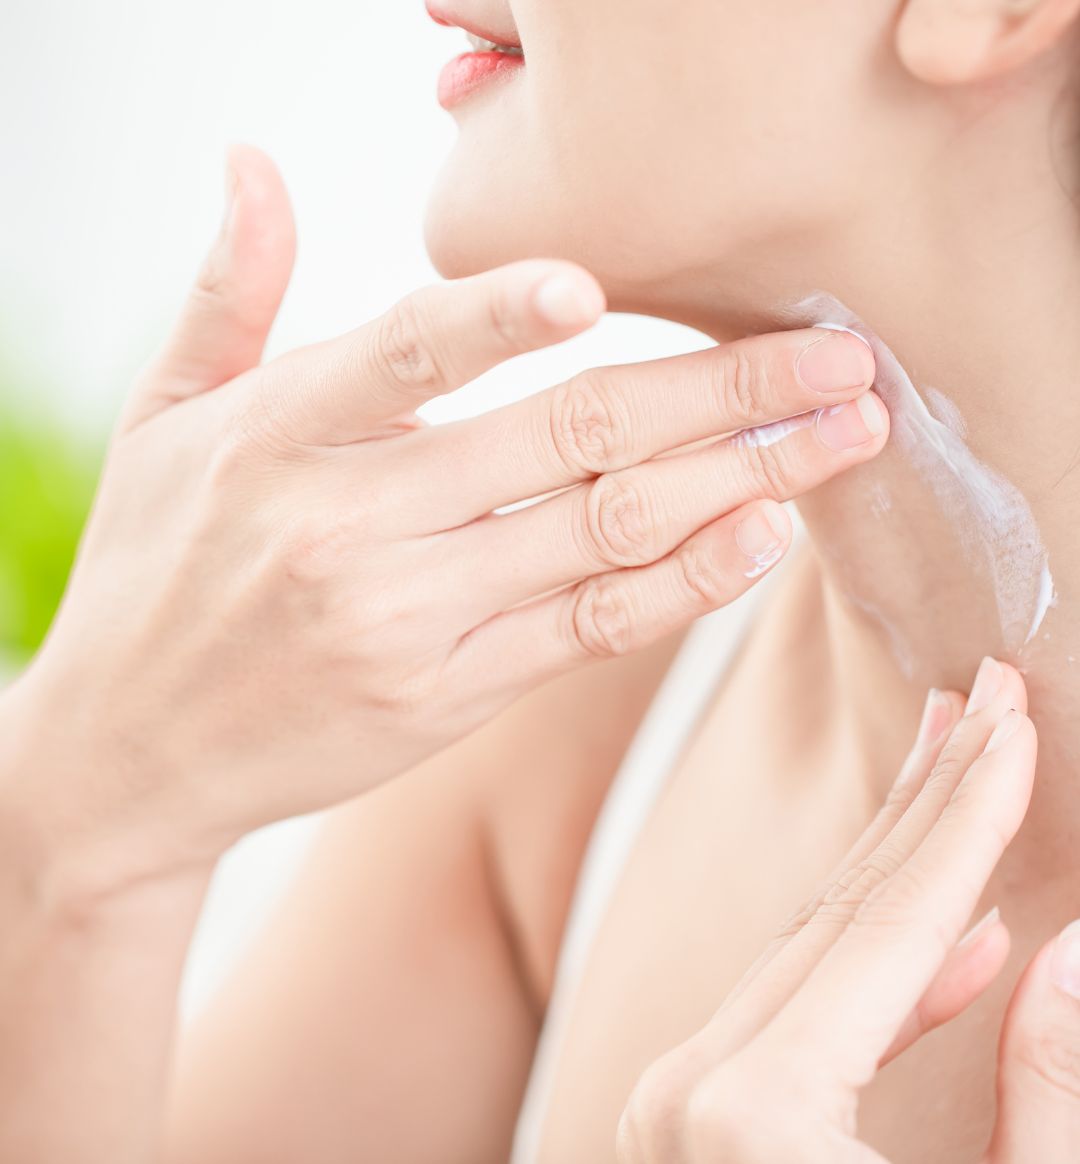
444	13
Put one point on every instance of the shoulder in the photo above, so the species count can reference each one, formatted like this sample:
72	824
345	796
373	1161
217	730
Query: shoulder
544	768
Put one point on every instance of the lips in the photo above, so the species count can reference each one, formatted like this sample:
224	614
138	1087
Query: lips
500	30
498	53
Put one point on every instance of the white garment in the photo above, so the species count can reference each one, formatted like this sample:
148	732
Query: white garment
667	726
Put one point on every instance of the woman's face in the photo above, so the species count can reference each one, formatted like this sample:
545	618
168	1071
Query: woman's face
654	140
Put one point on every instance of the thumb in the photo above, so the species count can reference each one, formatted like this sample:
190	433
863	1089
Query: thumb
223	326
1039	1061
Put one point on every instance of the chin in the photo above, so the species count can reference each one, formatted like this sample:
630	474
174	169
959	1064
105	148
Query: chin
481	215
491	206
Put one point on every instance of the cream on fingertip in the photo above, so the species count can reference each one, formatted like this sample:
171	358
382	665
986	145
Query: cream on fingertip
762	536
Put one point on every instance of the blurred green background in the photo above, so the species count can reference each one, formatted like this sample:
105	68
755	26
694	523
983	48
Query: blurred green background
47	477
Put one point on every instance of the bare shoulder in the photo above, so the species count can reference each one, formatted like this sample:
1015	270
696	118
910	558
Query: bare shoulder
547	764
411	959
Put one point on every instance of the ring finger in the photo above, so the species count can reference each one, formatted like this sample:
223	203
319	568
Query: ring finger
635	517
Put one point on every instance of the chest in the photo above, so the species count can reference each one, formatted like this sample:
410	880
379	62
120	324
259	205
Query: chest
741	836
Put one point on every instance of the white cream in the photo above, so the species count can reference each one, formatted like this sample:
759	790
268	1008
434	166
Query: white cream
769	434
996	527
763	563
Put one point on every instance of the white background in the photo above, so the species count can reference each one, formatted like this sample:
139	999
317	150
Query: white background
116	118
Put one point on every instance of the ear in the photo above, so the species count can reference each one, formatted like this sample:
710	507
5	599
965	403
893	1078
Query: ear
958	42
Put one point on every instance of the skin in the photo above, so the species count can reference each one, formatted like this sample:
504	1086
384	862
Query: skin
285	688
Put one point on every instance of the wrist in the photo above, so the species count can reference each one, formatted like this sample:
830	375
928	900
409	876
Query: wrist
66	834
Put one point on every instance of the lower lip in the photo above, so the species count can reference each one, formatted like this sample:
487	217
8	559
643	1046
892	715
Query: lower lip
464	75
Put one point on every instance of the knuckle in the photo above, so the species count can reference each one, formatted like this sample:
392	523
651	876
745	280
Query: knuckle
899	903
588	430
794	925
399	350
504	318
700	575
313	550
774	469
744	385
244	442
407	697
211	283
618	521
950	767
652	1122
853	887
716	1118
602	620
1053	1058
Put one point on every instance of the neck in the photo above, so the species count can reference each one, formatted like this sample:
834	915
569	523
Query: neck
962	539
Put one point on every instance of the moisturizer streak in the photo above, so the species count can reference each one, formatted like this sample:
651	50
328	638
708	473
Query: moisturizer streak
994	522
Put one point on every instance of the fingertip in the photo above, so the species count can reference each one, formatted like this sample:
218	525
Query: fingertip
569	298
1016	685
1009	731
763	533
834	361
876	415
858	428
1065	961
261	226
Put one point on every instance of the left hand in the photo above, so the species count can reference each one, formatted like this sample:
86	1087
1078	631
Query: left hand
872	964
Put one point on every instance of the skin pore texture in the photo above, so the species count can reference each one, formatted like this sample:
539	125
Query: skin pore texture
906	170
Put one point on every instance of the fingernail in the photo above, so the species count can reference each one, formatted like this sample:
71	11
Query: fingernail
1065	963
847	426
1003	732
762	538
835	363
988	682
980	928
568	300
936	718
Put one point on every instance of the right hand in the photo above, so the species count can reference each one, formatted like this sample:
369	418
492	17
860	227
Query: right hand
291	589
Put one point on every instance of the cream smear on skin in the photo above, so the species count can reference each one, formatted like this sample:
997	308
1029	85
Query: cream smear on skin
996	528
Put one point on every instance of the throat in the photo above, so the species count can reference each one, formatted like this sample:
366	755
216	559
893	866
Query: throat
943	523
959	541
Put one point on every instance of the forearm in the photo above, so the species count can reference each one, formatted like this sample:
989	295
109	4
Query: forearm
89	977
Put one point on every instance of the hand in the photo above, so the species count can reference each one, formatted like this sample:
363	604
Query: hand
291	589
873	963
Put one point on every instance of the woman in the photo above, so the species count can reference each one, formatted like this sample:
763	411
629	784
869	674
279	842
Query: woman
293	592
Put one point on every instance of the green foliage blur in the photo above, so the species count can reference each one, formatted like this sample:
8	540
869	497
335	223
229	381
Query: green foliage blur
47	480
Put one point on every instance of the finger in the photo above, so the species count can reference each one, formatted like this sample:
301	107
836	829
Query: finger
806	938
223	327
1039	1061
608	419
639	515
969	970
621	612
890	844
855	1000
432	342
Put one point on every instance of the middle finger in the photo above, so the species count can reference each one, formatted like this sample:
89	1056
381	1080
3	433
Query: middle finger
635	517
607	419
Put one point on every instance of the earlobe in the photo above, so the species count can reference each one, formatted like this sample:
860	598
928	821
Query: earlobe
960	42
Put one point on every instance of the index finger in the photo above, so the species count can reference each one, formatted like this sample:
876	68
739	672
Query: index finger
608	419
850	1008
432	342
